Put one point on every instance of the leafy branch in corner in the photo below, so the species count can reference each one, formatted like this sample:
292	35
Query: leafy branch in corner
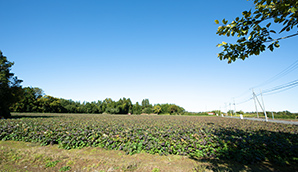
254	29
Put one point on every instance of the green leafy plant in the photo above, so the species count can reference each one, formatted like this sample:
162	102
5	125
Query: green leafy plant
156	170
52	163
197	137
65	168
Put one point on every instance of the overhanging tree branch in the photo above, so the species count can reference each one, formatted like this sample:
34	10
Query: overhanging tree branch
252	30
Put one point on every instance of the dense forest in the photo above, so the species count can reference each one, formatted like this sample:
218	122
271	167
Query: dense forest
34	100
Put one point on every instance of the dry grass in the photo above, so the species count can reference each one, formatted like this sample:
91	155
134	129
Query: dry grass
21	156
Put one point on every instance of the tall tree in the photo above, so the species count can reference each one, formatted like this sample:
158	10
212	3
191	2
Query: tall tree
137	108
28	101
50	104
255	31
145	103
173	109
9	86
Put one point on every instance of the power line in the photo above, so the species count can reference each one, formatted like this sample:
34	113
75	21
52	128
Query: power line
284	72
244	101
276	89
241	95
283	87
283	90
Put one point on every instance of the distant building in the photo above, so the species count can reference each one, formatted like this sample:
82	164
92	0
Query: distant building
210	113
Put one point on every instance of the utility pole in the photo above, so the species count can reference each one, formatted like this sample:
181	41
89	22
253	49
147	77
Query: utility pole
253	94
226	107
264	107
230	108
234	106
261	107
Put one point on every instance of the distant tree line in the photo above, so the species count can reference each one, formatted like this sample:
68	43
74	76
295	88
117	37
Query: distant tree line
32	99
281	114
15	98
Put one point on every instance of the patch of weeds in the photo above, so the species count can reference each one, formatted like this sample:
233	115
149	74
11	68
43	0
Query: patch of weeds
16	157
101	162
156	170
12	155
200	168
70	163
93	166
3	154
98	164
48	159
52	163
87	168
37	158
65	168
9	155
131	167
93	150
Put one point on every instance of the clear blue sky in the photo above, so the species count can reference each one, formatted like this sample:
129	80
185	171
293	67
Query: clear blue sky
163	50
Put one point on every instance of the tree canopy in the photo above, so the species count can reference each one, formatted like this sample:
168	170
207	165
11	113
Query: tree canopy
32	99
9	86
255	30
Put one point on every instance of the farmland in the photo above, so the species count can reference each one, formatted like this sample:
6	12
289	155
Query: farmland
199	138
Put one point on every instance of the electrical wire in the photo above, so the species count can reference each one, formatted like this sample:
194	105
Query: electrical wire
241	95
286	71
283	90
244	101
282	87
276	89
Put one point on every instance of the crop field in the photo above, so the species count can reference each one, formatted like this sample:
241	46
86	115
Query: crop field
243	141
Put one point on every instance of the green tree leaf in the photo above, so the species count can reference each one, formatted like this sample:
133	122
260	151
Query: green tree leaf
251	24
293	10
